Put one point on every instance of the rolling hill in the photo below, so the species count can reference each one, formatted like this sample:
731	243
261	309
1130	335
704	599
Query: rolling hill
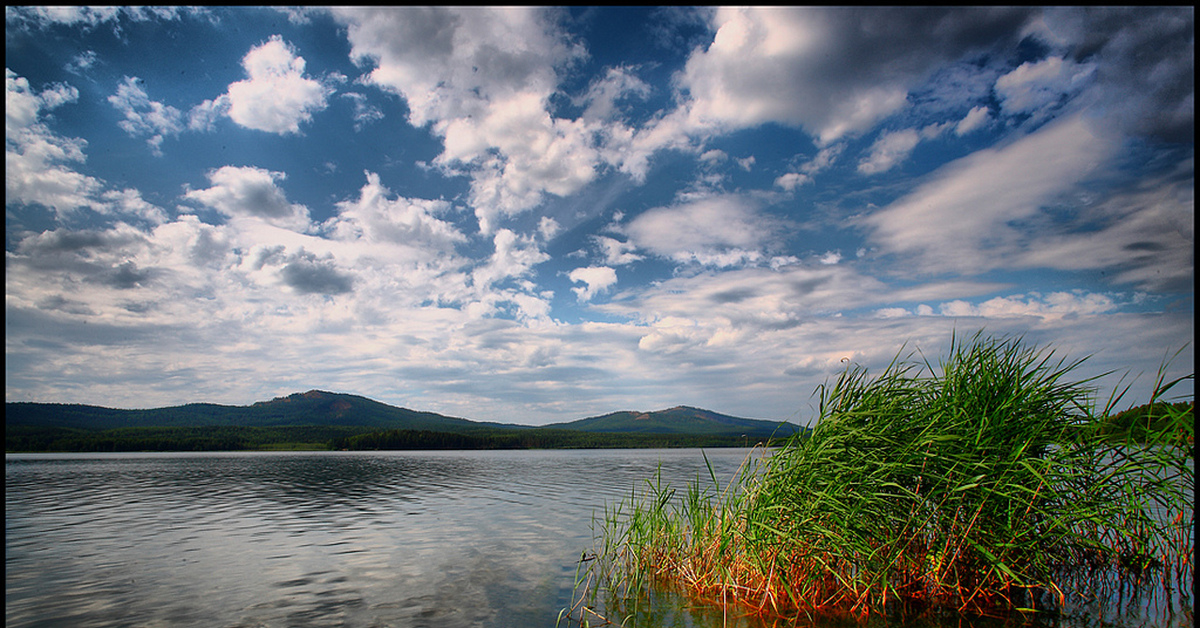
337	420
681	420
315	407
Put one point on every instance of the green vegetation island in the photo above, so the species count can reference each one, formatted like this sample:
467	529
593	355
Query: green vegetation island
989	485
320	420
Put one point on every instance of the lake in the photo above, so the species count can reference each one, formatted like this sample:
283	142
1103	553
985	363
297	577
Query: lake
369	539
312	538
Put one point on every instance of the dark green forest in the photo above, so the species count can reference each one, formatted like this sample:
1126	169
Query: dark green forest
1135	423
238	438
20	438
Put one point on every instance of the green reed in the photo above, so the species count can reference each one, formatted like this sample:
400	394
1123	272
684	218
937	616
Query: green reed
983	484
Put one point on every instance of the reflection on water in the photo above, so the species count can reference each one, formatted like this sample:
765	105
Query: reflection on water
421	539
311	538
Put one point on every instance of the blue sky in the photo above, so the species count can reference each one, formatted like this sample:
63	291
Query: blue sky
536	215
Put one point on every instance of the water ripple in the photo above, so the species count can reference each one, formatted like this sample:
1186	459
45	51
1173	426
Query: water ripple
310	539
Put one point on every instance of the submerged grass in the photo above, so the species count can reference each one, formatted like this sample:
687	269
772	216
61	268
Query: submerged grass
982	486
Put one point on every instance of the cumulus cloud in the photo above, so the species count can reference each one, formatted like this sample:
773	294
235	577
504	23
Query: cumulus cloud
82	62
276	97
722	230
596	279
821	161
616	252
364	112
204	116
606	93
35	158
514	256
517	153
834	72
308	274
129	205
831	257
1037	87
889	150
975	119
482	78
548	227
374	217
792	180
251	192
1052	307
145	117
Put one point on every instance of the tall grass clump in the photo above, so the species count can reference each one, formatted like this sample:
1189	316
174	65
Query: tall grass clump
982	484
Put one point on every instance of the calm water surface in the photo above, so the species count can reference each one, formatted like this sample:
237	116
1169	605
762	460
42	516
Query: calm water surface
312	538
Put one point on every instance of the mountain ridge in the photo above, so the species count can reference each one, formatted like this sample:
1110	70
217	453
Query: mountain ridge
320	407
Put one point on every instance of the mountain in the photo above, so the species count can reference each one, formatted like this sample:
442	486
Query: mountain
680	420
315	407
321	408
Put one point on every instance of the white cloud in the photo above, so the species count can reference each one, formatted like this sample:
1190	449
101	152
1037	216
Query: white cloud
251	192
605	94
721	231
35	158
514	257
548	227
889	150
714	156
364	112
792	180
128	203
1037	86
276	97
967	216
82	62
616	252
1051	307
596	279
821	161
831	257
40	16
975	119
204	116
835	72
518	152
482	78
891	312
405	222
144	116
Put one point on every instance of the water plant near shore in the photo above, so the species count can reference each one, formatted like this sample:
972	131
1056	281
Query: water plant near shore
985	485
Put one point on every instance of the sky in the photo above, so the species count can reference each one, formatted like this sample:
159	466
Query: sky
538	215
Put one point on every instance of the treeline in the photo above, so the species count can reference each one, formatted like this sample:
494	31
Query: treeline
1135	423
20	438
31	439
530	439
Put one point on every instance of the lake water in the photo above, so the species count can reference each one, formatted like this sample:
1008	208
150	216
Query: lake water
312	538
369	539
